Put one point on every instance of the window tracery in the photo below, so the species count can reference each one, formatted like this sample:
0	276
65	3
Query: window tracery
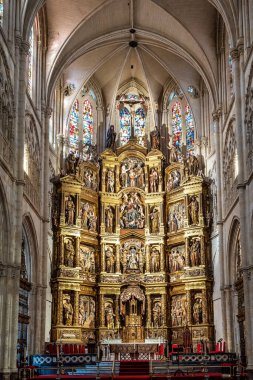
181	123
30	62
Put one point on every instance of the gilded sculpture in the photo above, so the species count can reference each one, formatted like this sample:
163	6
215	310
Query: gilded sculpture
70	210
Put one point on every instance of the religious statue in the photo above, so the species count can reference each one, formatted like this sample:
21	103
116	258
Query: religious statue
109	316
92	219
155	138
87	259
176	217
173	154
109	259
179	310
193	165
132	259
194	249
154	260
197	312
153	180
70	211
69	253
173	181
110	181
90	179
71	163
109	219
157	314
177	258
67	311
132	173
132	211
86	316
193	210
155	220
110	138
88	216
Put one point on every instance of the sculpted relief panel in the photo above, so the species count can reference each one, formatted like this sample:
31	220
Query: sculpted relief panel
86	316
132	173
132	211
177	258
176	216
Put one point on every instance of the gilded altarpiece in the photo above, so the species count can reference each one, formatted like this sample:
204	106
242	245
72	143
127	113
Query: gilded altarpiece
131	249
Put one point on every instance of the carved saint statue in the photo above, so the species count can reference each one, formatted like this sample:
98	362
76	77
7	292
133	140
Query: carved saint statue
154	260
109	259
193	210
69	253
67	312
195	252
109	218
109	316
155	220
110	181
110	138
70	211
155	138
71	163
157	314
153	180
197	312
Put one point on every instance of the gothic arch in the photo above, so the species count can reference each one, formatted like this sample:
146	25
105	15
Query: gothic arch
30	231
4	227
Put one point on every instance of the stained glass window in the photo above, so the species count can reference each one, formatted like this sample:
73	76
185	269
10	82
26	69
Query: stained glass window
139	125
177	125
88	125
125	125
189	129
30	62
73	126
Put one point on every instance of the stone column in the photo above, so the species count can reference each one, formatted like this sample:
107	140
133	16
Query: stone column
77	256
59	297
247	262
187	255
217	143
148	323
189	307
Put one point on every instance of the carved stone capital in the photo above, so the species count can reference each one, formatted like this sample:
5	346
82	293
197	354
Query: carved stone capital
234	53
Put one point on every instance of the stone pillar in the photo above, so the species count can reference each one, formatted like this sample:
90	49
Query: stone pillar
243	205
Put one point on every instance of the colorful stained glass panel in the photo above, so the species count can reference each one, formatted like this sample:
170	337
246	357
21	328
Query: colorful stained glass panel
189	129
139	125
73	126
125	126
88	123
177	125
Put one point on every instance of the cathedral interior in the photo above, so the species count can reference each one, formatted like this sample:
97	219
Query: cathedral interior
126	174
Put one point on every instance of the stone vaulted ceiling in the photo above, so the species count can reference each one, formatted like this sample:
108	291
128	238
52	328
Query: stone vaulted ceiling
89	38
